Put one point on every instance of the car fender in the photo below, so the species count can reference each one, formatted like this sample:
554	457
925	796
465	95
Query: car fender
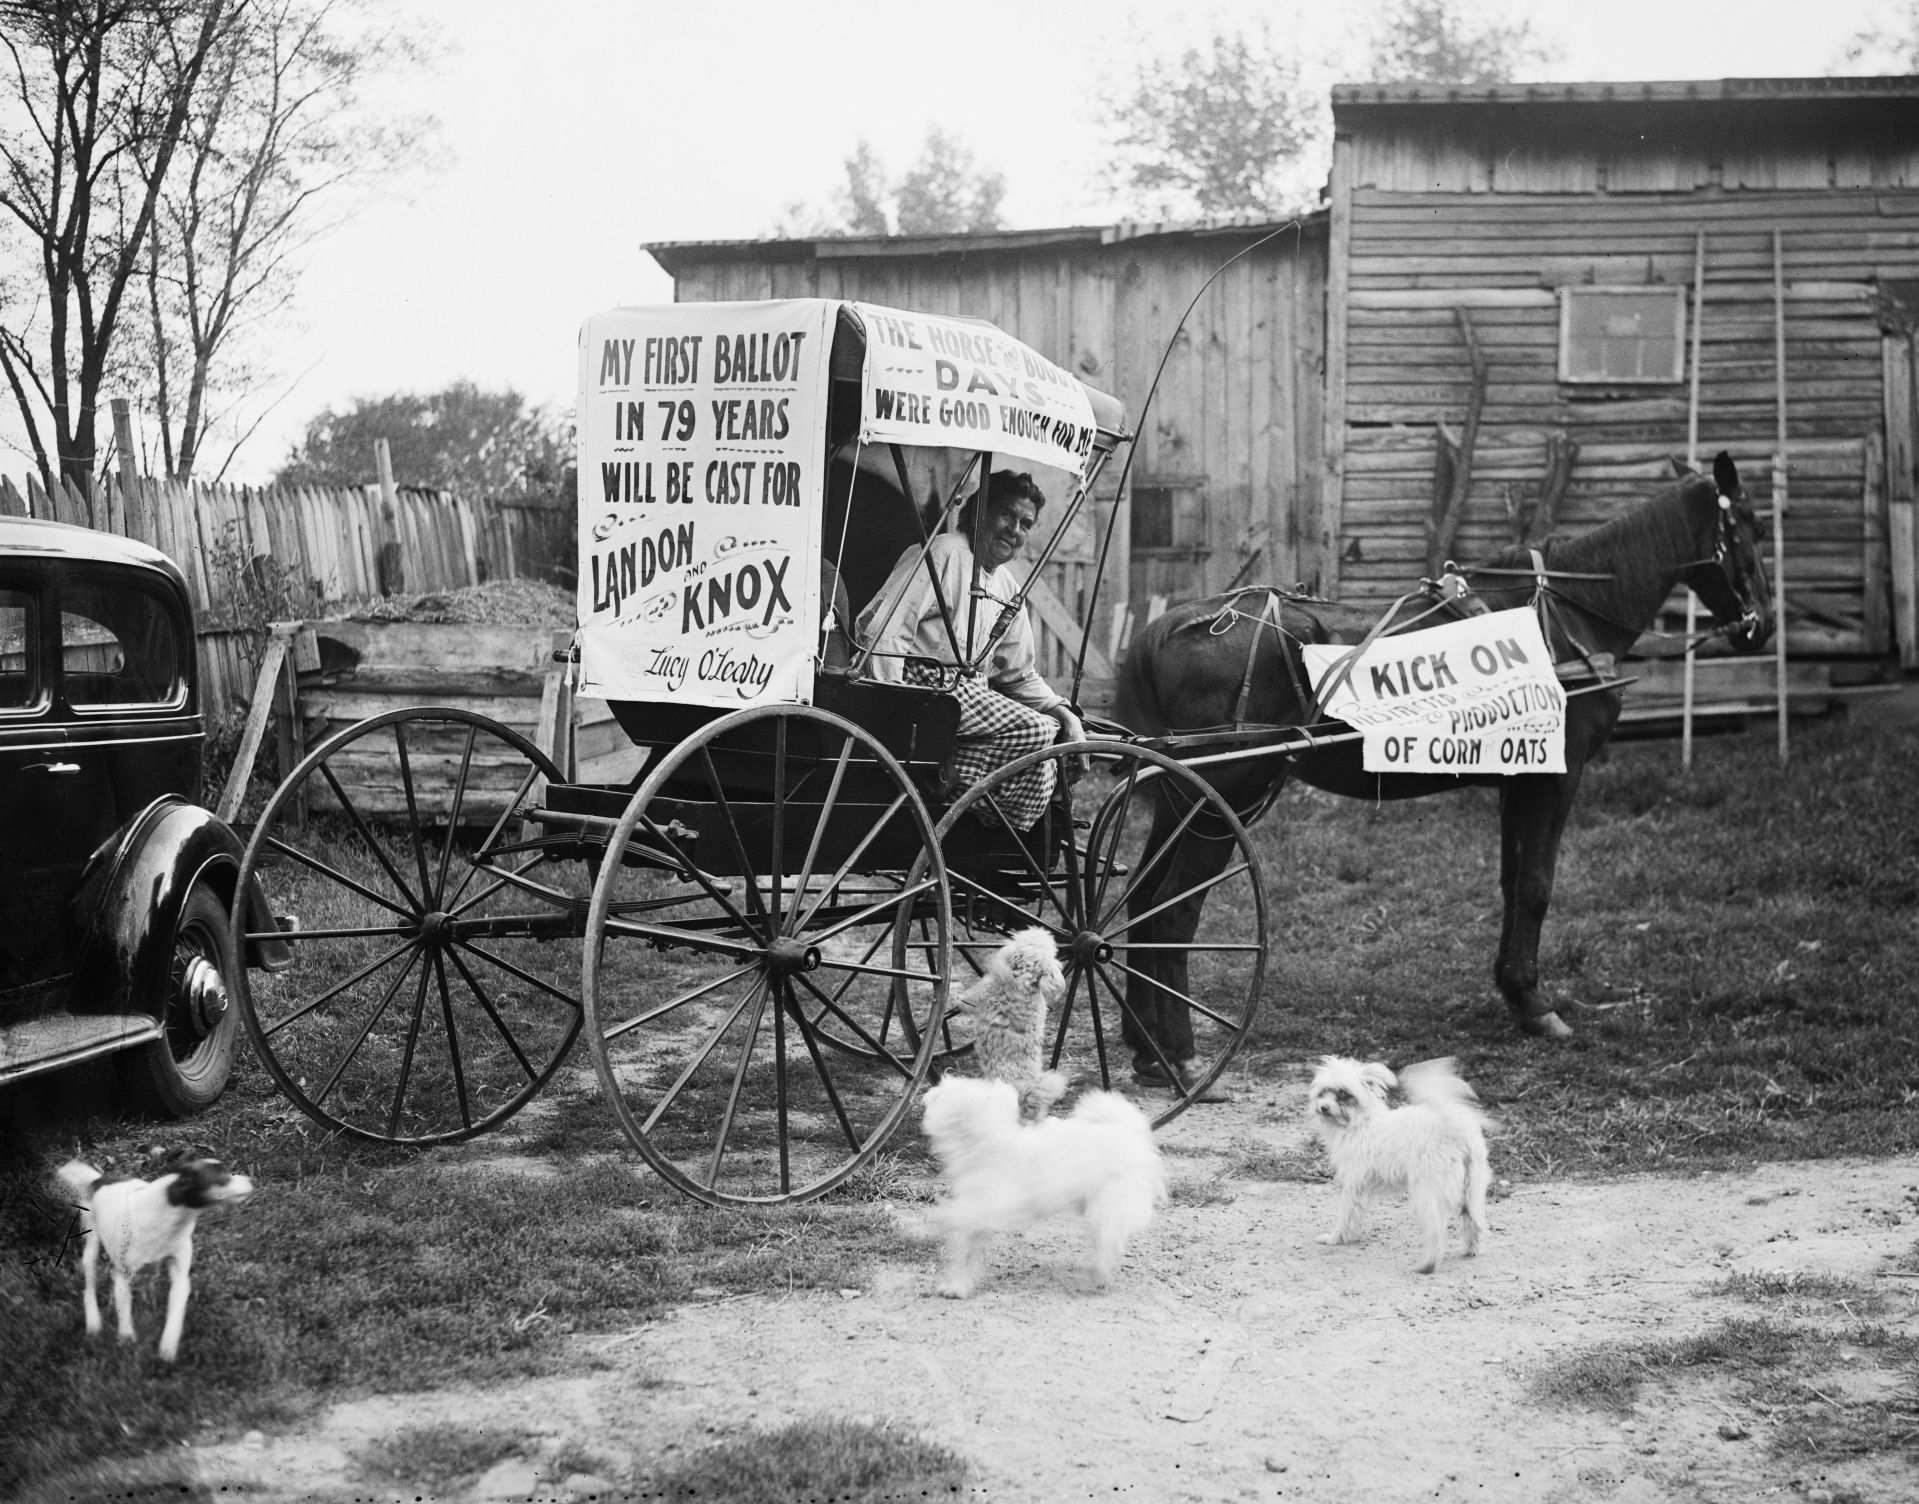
131	896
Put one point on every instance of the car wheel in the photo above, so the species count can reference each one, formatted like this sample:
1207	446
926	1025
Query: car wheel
185	1070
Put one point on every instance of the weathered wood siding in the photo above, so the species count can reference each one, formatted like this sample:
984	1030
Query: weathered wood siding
1494	215
1235	427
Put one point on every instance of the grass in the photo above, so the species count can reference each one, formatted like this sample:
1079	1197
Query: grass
839	1460
1734	948
437	1456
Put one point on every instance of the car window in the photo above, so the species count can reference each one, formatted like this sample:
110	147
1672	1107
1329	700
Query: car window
118	645
16	649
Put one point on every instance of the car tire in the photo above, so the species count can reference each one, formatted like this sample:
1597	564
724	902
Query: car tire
185	1071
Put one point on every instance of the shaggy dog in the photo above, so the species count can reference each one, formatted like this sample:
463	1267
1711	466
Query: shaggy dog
1433	1149
142	1222
1099	1162
1007	1007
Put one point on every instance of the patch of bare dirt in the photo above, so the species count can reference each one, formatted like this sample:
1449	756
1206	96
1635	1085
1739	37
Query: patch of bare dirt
1235	1358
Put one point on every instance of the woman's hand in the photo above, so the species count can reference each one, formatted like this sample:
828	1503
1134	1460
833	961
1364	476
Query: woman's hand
1071	730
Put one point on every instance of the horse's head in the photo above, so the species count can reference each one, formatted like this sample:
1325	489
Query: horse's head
1728	574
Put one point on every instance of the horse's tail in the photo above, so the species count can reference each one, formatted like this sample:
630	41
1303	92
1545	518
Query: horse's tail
1137	701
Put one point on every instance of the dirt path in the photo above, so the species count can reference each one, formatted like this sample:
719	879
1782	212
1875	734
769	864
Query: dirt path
1236	1357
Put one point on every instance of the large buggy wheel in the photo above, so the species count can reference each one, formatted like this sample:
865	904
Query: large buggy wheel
434	986
743	925
1149	884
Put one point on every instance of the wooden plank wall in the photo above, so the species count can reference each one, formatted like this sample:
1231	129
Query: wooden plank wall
1414	256
1238	410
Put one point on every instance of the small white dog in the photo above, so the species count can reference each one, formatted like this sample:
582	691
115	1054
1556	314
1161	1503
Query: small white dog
1433	1149
142	1222
1002	1174
1007	1006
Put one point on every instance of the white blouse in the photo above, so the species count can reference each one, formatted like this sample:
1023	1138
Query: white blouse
917	629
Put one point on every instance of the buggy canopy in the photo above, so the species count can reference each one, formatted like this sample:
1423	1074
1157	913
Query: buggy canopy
704	435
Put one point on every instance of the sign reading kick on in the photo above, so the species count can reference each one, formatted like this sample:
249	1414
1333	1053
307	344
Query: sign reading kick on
1472	696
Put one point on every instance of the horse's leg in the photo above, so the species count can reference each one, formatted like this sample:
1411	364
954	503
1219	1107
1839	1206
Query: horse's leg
1532	817
1157	1024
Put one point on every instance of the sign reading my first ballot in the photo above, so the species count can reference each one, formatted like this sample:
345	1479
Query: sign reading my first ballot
1472	696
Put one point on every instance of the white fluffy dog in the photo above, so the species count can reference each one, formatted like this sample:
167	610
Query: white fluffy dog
142	1222
1098	1161
1433	1149
1007	1006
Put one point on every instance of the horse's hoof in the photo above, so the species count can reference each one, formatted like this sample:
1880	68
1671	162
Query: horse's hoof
1545	1026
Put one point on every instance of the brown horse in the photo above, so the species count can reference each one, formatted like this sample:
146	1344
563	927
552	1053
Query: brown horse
1196	667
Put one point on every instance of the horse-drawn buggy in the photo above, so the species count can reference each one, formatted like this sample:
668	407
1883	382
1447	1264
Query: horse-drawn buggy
762	934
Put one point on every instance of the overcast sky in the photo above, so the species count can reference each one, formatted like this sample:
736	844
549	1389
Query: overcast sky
576	130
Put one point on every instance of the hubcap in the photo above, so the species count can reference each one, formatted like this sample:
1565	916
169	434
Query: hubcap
1089	948
787	955
204	991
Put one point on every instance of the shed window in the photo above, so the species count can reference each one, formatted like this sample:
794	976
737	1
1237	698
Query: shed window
1622	334
1168	517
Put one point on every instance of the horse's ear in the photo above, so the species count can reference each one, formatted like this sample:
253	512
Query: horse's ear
1725	474
1680	467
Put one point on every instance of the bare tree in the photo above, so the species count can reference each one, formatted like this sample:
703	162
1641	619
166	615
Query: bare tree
1452	42
95	101
1888	44
1221	127
275	150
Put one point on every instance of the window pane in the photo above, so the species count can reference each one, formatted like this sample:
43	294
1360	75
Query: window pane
117	646
1152	517
1613	336
16	649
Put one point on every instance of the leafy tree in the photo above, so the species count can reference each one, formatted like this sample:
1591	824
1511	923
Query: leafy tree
1889	44
1218	128
942	193
479	443
275	150
1451	42
93	105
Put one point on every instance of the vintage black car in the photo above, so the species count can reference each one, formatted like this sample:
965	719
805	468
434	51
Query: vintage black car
116	886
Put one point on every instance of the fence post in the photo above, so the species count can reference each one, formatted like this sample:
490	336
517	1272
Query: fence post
128	490
392	563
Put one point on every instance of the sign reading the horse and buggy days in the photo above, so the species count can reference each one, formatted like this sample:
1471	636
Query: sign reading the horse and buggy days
962	384
1471	696
702	446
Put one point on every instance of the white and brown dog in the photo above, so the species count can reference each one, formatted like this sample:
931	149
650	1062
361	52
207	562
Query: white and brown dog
142	1222
1433	1150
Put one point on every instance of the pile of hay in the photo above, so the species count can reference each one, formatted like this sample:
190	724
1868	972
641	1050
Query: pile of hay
533	602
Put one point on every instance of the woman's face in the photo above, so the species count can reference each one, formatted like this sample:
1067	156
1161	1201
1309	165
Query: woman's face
1004	535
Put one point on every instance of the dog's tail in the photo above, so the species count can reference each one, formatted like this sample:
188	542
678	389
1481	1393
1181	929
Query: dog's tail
81	1179
1037	1097
1435	1083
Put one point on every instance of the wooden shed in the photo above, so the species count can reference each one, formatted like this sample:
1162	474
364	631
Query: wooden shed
1226	483
1577	243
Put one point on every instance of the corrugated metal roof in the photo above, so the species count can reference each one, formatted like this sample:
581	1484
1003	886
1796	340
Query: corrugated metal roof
1656	91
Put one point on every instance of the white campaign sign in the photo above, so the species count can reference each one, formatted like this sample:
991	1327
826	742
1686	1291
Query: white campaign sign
702	448
1472	696
964	385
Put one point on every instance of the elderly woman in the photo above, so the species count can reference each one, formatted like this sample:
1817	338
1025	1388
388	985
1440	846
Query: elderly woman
1011	710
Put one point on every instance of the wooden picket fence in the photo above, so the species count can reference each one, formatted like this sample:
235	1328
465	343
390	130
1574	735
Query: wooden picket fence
251	553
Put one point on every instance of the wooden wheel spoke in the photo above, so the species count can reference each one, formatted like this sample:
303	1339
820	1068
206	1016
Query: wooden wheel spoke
961	879
367	836
754	904
339	987
1204	886
826	1082
486	1004
776	864
525	976
453	813
366	932
890	901
859	1030
679	1002
877	971
756	991
406	1058
412	808
352	885
1149	865
1066	1017
713	891
1117	804
819	832
482	857
392	991
1139	1024
705	941
452	1040
739	1082
1174	992
505	877
852	859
